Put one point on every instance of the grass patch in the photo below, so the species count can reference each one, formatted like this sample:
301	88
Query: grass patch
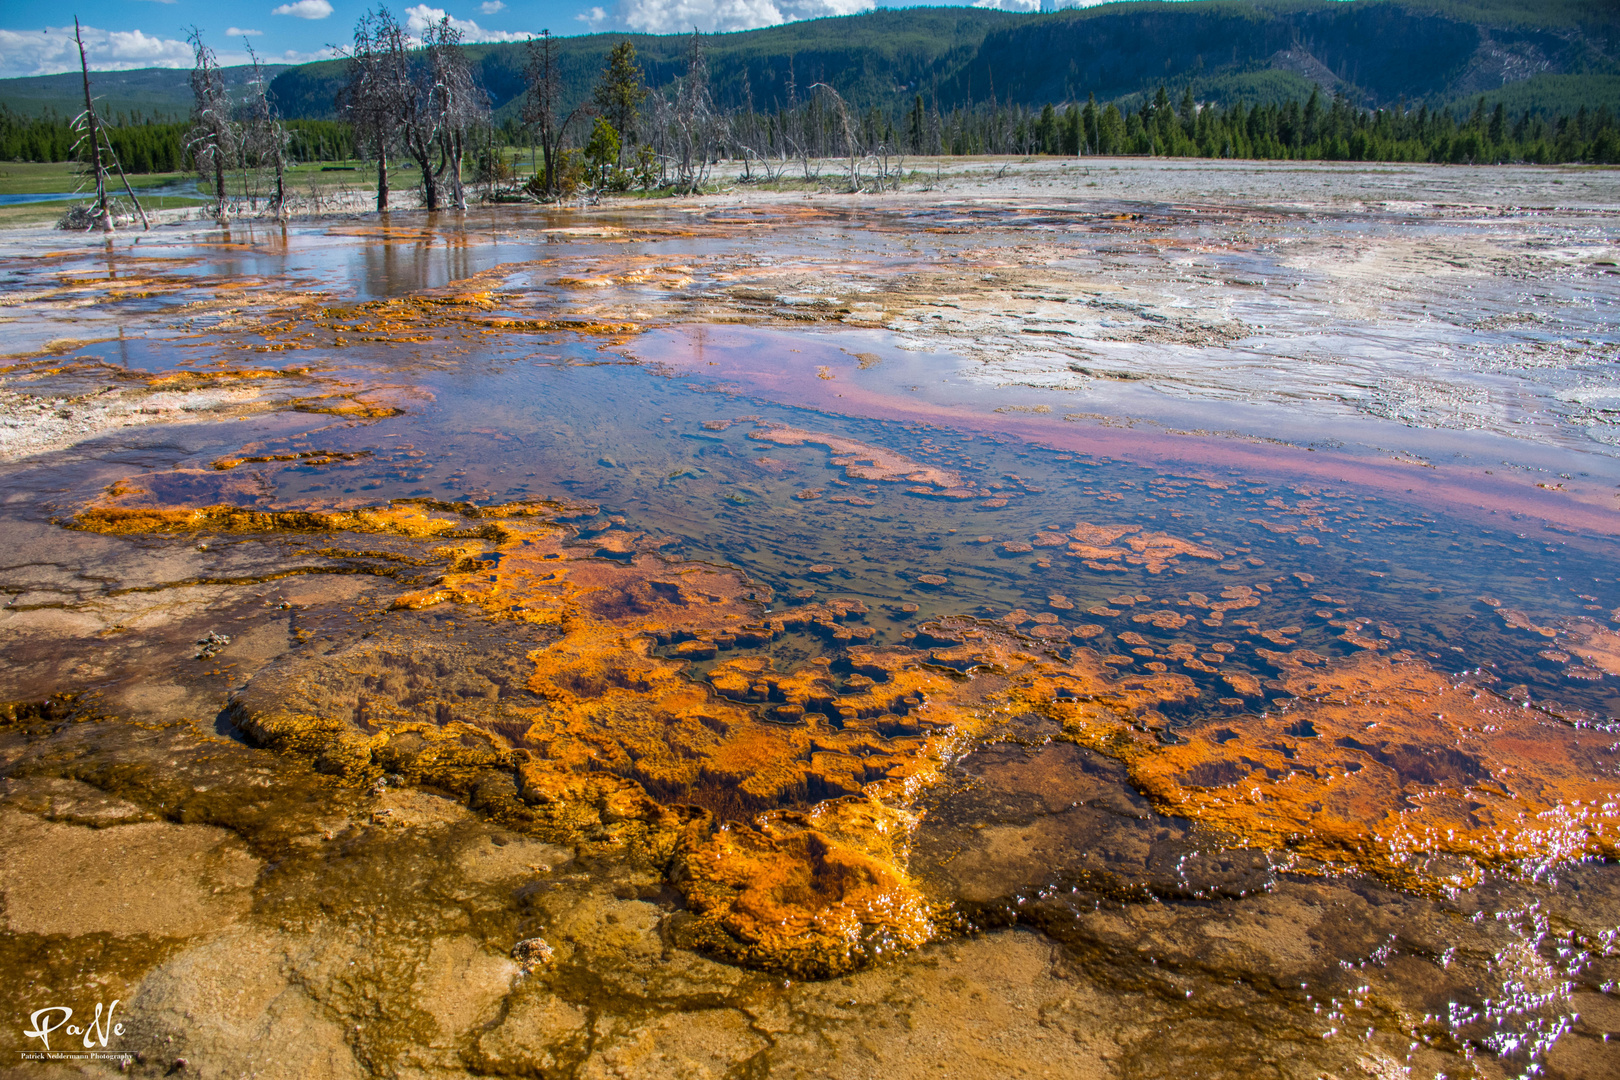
31	214
36	178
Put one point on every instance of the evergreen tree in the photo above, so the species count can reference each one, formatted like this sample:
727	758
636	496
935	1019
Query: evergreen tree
619	94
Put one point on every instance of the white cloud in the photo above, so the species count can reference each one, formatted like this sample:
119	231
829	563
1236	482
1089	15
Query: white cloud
490	7
304	9
419	18
51	51
291	56
234	32
592	18
1013	5
48	51
676	16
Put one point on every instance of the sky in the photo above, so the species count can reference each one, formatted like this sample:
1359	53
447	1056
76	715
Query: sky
123	34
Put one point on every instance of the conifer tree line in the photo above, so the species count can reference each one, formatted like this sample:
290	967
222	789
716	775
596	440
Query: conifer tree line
146	144
1312	130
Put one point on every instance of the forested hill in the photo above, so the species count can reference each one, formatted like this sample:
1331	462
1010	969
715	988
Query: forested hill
1540	55
152	93
1373	53
872	59
1537	54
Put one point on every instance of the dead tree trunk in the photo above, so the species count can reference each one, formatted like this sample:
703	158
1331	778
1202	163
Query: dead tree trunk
102	211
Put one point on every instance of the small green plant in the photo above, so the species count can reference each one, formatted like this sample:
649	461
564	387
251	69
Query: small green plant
571	172
492	166
602	151
644	169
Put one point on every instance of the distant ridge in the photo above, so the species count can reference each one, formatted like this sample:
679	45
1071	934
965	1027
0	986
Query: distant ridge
1548	55
155	93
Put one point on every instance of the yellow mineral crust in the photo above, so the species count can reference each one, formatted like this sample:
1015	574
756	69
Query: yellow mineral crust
1381	766
417	318
420	520
173	380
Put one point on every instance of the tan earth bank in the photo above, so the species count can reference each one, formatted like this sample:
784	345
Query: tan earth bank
532	806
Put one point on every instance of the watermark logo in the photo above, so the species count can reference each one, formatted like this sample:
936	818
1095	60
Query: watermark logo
58	1020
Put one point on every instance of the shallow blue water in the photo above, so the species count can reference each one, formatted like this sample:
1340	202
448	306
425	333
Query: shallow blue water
20	200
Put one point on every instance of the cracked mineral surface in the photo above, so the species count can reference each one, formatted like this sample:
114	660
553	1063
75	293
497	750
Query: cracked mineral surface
1103	619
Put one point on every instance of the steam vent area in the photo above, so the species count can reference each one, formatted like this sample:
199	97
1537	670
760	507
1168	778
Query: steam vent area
1108	620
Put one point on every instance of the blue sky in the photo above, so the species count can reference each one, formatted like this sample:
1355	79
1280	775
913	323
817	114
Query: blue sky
123	34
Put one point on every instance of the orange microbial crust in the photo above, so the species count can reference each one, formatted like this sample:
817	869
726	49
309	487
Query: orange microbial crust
345	405
793	891
779	800
814	767
1384	766
797	888
1589	649
303	457
135	278
863	462
1098	545
474	309
172	380
182	379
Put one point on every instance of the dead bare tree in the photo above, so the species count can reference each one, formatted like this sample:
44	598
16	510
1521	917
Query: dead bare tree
424	114
842	130
802	127
264	139
541	104
792	126
93	135
891	175
693	124
455	102
373	97
93	144
751	137
663	128
213	139
419	131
